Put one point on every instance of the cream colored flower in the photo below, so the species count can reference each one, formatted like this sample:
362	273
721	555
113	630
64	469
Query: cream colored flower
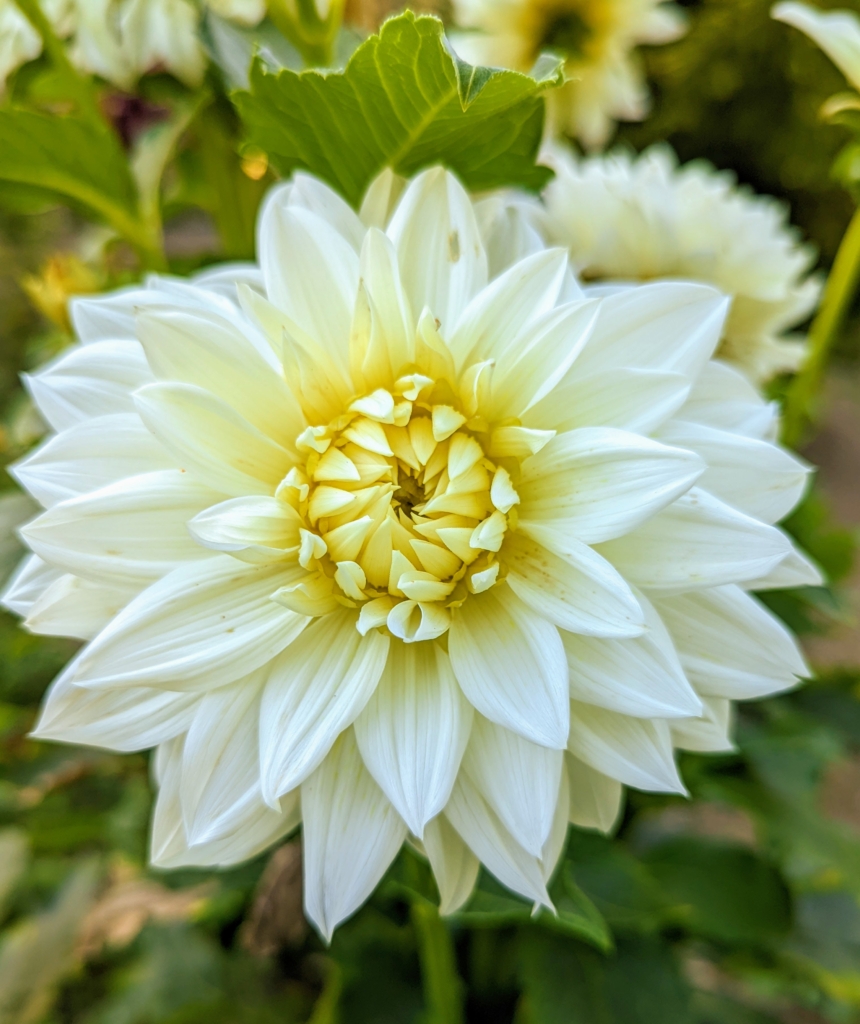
598	39
403	534
627	218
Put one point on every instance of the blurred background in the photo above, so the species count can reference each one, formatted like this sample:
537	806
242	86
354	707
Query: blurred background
739	906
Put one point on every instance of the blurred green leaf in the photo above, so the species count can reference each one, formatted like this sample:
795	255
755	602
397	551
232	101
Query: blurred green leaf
567	983
721	892
404	101
38	951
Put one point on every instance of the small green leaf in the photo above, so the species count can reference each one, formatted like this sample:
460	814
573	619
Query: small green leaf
404	101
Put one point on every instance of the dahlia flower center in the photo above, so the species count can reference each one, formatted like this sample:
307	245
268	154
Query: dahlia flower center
402	511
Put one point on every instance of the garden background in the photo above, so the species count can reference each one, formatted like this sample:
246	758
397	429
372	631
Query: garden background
738	906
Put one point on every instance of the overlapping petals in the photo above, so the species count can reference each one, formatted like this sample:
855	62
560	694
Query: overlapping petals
401	534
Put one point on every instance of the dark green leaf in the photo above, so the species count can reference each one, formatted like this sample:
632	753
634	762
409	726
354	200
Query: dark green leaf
405	102
721	892
567	983
70	157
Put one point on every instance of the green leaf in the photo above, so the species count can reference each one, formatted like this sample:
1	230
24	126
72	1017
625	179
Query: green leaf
622	888
404	101
567	983
722	892
75	159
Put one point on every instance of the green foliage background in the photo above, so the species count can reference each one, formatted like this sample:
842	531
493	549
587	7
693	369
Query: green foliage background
739	906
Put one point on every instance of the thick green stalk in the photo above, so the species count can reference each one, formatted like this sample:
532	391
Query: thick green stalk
443	989
800	399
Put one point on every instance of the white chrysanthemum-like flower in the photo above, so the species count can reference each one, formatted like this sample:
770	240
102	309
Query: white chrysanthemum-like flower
627	218
401	534
598	40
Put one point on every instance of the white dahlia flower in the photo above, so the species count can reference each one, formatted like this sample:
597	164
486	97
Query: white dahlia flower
598	40
629	218
400	535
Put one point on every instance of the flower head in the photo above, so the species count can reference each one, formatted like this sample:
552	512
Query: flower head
403	534
597	39
643	218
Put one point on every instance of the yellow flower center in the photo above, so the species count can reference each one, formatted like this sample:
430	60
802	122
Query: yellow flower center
403	510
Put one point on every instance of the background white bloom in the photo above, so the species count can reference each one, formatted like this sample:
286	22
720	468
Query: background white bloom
597	38
121	40
401	533
628	218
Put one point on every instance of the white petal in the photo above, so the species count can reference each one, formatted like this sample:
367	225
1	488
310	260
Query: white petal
598	483
795	570
636	751
393	323
595	798
413	731
570	584
836	32
730	645
265	525
133	718
723	398
498	318
524	375
126	534
492	844
315	690
107	317
455	867
709	733
634	400
258	827
90	455
89	380
757	477
641	677
75	607
203	625
209	351
351	833
212	441
507	229
312	194
556	841
519	780
442	259
220	760
311	273
30	580
697	542
666	326
510	663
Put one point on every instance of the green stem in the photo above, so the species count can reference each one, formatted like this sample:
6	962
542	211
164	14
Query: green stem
800	399
443	989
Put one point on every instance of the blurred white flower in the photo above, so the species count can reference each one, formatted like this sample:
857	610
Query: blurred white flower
627	218
597	39
400	533
121	40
